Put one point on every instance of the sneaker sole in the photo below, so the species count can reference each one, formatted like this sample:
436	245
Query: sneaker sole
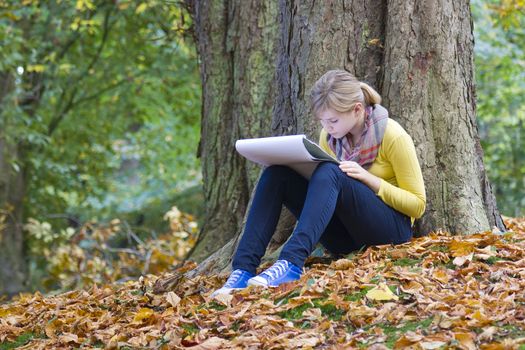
227	291
254	282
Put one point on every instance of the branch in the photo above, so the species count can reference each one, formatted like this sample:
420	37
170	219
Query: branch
58	119
75	36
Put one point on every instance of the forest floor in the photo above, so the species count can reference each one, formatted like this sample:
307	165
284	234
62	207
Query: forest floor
435	292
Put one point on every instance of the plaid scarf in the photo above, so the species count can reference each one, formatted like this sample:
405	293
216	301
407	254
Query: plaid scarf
365	151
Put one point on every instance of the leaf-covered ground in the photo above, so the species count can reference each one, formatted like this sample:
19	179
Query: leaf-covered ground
435	292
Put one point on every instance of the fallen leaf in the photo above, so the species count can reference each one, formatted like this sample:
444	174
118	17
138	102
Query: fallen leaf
412	287
461	248
403	343
487	334
68	338
51	327
381	293
224	299
143	314
173	299
461	260
441	276
495	346
212	343
312	313
342	264
305	341
466	340
430	345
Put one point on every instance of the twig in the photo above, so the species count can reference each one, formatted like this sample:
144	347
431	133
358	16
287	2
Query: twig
124	250
147	262
132	234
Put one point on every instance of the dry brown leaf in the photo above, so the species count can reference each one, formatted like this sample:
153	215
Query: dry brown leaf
487	334
342	264
51	327
378	347
495	346
466	340
460	301
173	299
461	260
212	343
405	342
431	345
441	275
224	299
68	338
312	313
302	341
461	247
412	287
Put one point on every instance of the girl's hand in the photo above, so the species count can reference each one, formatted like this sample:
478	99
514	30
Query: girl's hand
354	170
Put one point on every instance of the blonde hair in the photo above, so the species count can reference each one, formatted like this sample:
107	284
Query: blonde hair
340	90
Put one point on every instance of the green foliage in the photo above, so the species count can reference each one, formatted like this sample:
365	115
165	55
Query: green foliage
106	102
500	80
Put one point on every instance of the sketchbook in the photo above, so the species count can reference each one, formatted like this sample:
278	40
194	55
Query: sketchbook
294	151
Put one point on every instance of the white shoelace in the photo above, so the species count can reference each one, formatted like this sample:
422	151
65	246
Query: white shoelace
276	270
233	278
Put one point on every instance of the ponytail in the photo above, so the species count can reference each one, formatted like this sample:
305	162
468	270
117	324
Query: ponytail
370	95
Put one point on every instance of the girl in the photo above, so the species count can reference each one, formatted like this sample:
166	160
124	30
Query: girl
371	198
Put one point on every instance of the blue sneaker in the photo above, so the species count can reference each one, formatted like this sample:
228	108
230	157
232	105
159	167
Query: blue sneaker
281	272
237	280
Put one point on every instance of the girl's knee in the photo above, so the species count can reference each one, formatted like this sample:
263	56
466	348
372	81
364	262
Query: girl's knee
278	173
276	170
327	169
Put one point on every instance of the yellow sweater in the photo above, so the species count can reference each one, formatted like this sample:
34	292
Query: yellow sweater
396	164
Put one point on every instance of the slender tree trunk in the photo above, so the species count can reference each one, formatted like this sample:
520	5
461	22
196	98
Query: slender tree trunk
13	269
418	54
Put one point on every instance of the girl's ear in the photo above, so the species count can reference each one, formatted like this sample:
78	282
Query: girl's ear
358	107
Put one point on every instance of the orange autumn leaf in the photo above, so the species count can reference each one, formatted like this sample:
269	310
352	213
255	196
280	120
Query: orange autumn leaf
466	340
441	276
479	303
461	247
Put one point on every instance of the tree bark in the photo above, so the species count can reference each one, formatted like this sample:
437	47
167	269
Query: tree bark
13	267
236	44
429	88
417	54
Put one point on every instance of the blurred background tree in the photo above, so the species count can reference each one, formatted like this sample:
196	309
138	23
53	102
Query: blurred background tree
499	28
99	114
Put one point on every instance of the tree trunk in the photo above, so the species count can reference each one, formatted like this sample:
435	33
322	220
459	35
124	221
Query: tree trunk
236	44
429	88
13	269
418	54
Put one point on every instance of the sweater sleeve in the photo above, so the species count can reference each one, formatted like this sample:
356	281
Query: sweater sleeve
409	196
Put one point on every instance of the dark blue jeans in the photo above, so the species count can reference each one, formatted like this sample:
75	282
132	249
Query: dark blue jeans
332	208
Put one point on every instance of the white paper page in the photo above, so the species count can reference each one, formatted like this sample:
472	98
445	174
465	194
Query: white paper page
281	150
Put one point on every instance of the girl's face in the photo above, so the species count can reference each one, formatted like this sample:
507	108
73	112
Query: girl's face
339	124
